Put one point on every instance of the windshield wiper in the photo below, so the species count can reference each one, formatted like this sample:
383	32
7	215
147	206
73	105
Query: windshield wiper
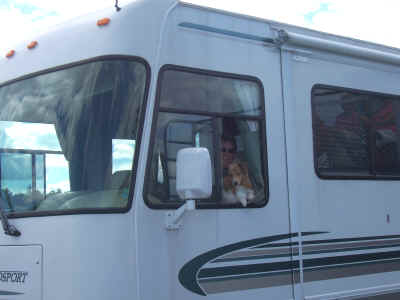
7	227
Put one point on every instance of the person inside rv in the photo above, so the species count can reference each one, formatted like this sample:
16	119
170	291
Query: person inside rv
236	178
383	119
228	152
366	122
352	132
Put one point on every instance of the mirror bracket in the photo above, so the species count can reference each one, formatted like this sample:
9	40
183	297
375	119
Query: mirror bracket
173	219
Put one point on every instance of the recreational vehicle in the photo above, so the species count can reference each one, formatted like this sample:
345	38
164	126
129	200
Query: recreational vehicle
162	150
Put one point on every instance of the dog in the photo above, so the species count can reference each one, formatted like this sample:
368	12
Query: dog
237	184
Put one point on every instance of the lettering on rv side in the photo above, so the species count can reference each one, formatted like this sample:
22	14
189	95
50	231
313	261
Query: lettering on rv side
13	276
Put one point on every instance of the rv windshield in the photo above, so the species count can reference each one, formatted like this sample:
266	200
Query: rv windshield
67	138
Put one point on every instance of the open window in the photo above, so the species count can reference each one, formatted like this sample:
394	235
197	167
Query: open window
223	113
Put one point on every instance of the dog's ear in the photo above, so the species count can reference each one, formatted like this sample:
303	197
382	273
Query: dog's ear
244	167
228	183
246	178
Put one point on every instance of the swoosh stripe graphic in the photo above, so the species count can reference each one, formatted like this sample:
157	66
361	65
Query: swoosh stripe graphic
253	255
350	259
351	249
313	242
308	263
384	237
245	282
246	276
248	269
351	245
188	273
277	245
383	296
7	293
225	278
348	270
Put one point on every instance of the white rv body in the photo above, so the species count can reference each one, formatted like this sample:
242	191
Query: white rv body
293	241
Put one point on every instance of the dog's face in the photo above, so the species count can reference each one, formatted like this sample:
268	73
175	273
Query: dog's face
239	173
236	173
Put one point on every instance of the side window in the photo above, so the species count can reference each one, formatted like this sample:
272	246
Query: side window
356	133
222	113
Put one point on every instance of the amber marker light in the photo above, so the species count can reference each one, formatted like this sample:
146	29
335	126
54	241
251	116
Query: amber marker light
103	22
32	45
10	54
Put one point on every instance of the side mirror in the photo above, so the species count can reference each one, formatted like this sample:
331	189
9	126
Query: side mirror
193	181
193	174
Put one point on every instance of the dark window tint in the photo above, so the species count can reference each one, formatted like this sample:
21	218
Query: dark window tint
355	133
211	94
224	115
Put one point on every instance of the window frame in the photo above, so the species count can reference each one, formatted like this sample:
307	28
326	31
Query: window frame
127	208
378	177
156	110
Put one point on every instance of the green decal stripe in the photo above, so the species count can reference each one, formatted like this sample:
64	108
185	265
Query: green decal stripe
283	266
371	238
188	273
7	293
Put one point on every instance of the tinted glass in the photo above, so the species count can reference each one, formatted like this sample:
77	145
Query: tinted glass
213	94
72	134
355	133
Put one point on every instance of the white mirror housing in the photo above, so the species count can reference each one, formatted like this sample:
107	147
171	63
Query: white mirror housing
193	173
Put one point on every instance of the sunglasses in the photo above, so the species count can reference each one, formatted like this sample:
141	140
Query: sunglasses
229	150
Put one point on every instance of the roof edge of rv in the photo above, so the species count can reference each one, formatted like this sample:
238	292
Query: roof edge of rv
296	39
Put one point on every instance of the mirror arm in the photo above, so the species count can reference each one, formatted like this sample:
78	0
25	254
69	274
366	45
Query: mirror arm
173	218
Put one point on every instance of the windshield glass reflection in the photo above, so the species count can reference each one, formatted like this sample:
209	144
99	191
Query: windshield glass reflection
67	138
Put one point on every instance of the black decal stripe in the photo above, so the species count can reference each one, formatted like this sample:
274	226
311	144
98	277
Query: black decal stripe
188	273
253	257
350	270
337	260
383	296
247	276
328	241
370	238
7	293
308	263
350	249
276	245
295	252
216	287
350	245
252	281
248	269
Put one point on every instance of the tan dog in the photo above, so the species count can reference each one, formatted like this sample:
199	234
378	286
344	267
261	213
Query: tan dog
237	184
